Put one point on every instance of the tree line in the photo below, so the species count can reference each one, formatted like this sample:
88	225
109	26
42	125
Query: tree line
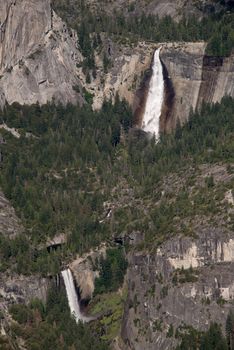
68	160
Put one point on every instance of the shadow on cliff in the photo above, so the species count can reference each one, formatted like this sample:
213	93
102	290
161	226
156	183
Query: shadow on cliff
141	98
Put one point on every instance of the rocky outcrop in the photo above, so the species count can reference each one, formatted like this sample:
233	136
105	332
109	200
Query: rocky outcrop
85	271
17	289
184	64
38	54
125	75
10	224
185	283
40	61
179	8
191	78
217	78
196	78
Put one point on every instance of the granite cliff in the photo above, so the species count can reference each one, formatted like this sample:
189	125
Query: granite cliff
196	78
38	54
173	286
187	281
41	60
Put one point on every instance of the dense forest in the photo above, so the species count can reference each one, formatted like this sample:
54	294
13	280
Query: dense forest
69	159
51	327
90	177
112	271
213	339
216	28
67	163
57	175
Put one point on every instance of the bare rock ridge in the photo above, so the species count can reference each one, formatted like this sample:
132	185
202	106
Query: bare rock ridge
38	54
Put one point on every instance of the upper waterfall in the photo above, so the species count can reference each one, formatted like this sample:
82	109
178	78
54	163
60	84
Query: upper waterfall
72	296
151	117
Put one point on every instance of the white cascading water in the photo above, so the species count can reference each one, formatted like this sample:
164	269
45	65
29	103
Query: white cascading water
153	107
72	296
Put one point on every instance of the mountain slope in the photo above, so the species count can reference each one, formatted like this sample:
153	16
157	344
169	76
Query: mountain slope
145	227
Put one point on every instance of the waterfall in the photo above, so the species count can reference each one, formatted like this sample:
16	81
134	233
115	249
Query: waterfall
151	118
72	296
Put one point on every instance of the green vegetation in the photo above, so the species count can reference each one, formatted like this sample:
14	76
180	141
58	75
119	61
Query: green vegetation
111	307
230	330
51	326
112	271
213	339
216	29
4	343
58	178
185	276
70	160
74	160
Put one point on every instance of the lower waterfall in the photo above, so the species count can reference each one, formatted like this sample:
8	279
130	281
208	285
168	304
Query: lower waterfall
72	297
153	107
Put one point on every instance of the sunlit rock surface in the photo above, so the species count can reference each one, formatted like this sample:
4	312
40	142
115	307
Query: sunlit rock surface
186	282
38	54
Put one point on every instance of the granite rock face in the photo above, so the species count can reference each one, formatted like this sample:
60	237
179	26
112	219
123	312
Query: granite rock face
184	64
196	78
18	289
191	78
187	282
217	78
38	54
40	61
10	224
85	272
21	289
124	77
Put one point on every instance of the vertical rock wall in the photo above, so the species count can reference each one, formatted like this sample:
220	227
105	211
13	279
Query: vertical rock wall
23	27
38	54
191	78
196	78
184	64
162	297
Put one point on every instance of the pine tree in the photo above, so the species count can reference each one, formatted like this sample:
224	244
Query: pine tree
230	330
